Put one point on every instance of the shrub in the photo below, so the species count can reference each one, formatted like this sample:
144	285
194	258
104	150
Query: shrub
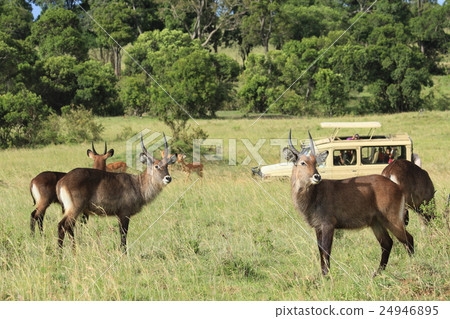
21	116
75	125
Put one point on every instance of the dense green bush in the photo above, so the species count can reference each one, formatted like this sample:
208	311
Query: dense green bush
21	118
75	125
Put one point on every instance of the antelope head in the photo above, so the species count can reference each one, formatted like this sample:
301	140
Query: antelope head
158	169
304	170
100	159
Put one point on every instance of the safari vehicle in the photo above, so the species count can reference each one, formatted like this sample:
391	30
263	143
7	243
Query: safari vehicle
351	156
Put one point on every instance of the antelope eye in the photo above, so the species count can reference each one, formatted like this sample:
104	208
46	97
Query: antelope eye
302	163
157	167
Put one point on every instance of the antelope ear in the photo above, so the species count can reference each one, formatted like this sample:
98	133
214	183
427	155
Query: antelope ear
110	152
172	159
289	155
145	159
90	154
322	157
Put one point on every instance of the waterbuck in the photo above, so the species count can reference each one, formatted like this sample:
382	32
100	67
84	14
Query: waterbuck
123	195
415	184
43	187
352	203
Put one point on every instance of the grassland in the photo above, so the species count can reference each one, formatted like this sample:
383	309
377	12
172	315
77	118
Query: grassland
226	238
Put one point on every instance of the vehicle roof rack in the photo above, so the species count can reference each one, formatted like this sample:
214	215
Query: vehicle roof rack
338	125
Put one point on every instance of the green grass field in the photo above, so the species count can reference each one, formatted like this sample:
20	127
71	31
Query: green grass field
229	237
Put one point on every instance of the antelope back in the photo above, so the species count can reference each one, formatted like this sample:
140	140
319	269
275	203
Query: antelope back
414	181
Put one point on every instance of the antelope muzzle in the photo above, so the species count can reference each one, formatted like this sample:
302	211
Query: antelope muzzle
167	179
316	178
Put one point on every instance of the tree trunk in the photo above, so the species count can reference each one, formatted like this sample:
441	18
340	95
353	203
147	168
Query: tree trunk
136	19
117	61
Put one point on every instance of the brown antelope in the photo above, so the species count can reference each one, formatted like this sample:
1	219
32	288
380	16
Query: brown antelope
352	203
415	184
85	190
117	167
169	156
190	167
43	187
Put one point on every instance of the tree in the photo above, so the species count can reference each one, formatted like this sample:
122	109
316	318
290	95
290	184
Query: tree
202	19
296	22
257	87
66	4
331	91
16	54
58	32
57	81
428	29
21	116
135	94
16	58
16	18
146	15
115	20
259	24
96	88
192	81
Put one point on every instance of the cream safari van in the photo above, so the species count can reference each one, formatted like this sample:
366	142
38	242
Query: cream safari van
350	156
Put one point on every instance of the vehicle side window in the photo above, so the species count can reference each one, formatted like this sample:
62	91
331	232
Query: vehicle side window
344	157
382	154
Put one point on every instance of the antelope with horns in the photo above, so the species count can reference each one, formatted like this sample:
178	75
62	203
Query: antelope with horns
111	194
415	184
352	203
43	187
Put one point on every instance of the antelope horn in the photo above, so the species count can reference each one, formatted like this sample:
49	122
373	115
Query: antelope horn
105	149
311	144
291	146
142	146
166	147
93	149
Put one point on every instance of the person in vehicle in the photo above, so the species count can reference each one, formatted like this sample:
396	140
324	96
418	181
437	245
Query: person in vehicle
388	155
381	155
346	157
354	137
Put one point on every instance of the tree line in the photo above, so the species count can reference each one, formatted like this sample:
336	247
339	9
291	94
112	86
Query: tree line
316	58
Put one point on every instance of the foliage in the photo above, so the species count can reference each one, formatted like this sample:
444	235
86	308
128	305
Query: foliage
305	21
21	117
58	32
331	91
135	95
191	80
57	80
75	125
320	57
16	58
286	81
428	29
183	143
16	18
261	22
203	20
113	19
96	88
